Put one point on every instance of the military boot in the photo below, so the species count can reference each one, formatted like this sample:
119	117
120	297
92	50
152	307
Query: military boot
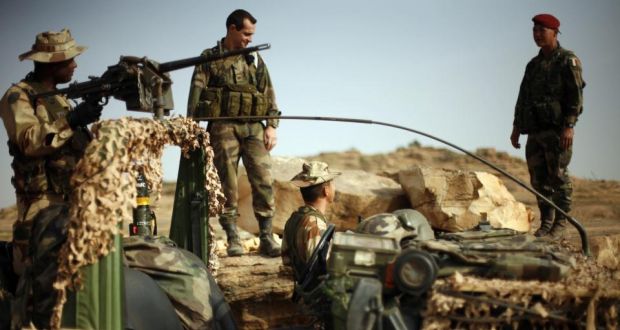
268	246
559	227
234	243
546	221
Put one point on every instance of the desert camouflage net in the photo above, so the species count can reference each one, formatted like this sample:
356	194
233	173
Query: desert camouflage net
588	298
104	185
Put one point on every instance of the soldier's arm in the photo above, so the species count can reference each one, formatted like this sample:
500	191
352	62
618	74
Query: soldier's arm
271	96
573	102
200	78
33	136
313	229
519	107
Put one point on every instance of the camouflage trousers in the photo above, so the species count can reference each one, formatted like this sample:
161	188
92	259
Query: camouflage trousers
245	141
179	273
547	164
35	297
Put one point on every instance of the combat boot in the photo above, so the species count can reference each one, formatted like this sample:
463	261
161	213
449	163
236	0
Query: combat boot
559	227
234	243
546	221
268	246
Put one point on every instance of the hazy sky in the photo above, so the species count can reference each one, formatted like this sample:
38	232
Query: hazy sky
449	68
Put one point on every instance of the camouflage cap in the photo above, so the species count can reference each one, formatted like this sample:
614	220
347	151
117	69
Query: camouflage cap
313	173
51	46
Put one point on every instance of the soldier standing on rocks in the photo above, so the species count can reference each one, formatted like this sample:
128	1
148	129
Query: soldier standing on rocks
47	137
239	86
305	226
549	103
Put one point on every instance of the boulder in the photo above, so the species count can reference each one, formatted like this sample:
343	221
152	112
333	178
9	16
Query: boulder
358	194
455	200
259	292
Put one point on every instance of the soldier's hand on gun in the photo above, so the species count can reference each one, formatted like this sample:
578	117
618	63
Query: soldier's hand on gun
270	138
514	138
566	140
85	113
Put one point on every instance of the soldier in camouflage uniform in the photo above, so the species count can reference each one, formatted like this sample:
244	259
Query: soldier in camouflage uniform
47	137
549	102
305	226
239	86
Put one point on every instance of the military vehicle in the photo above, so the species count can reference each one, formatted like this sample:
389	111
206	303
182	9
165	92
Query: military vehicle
382	275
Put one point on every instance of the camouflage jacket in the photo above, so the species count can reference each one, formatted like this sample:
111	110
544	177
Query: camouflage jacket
45	149
237	85
302	234
551	92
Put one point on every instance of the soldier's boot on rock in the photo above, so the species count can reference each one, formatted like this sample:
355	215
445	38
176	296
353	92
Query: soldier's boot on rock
546	221
559	227
234	243
268	246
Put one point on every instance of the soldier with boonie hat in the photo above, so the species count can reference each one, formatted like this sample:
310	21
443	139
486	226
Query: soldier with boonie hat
305	226
46	138
50	47
313	173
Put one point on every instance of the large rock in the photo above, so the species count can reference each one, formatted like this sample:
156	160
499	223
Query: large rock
358	193
259	292
455	200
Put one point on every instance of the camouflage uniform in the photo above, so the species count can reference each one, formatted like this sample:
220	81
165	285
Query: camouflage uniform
45	151
550	98
302	233
305	226
238	86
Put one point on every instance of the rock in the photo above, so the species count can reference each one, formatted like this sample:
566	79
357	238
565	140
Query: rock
259	292
358	193
455	200
362	194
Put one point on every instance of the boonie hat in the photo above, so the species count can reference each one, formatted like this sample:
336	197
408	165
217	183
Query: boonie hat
313	173
547	20
51	46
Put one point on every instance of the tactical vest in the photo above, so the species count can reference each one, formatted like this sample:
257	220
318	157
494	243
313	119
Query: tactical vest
290	236
236	87
35	176
544	91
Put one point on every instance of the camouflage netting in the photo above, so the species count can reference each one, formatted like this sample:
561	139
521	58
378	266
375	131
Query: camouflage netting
588	298
105	186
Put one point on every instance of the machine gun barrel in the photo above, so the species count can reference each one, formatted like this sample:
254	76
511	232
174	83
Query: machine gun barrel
143	84
188	62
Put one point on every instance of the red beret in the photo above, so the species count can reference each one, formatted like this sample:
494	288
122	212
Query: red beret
547	20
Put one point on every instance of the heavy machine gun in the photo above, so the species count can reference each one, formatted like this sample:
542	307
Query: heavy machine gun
143	84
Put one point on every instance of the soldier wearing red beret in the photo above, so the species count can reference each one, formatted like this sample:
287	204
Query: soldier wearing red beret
549	103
